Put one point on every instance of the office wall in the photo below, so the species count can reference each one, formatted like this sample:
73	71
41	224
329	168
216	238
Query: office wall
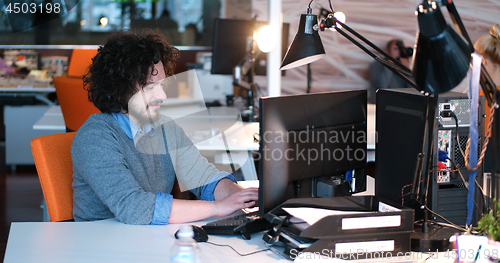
346	66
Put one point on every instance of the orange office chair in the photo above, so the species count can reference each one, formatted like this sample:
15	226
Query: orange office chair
74	102
52	155
79	62
72	97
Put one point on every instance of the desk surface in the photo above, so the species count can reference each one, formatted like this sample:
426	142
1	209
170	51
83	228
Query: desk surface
111	241
27	89
25	85
13	87
239	136
370	126
53	120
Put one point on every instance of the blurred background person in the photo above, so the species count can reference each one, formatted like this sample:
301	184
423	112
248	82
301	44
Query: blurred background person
5	70
169	26
382	77
489	47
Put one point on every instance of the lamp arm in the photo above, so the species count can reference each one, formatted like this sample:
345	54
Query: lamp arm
489	89
394	65
408	79
400	66
487	85
457	21
492	95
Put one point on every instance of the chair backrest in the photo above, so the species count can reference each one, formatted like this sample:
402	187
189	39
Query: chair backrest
80	61
52	155
74	102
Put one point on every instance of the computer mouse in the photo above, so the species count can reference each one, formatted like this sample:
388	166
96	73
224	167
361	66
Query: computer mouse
199	234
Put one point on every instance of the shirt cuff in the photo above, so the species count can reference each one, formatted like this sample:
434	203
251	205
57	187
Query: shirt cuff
162	209
207	192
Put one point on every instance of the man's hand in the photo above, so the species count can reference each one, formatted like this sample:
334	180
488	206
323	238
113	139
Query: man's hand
243	198
229	197
224	188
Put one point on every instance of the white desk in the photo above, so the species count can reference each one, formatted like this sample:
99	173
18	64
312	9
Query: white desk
205	127
18	119
239	136
111	241
23	87
372	132
370	126
52	119
27	89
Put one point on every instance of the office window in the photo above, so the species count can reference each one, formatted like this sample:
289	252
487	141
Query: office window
89	22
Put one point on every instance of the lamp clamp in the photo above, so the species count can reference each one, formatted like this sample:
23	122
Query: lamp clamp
329	22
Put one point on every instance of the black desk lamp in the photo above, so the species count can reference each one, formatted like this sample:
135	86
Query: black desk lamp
436	40
441	61
306	46
261	41
246	67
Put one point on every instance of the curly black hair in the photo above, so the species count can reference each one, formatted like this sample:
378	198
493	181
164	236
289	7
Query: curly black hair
124	62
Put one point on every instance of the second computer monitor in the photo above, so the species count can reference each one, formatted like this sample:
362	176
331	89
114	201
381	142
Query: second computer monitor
312	145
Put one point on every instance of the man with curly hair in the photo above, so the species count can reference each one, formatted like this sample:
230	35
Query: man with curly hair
127	158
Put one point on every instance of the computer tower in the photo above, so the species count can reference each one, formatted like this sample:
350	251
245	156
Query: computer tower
400	120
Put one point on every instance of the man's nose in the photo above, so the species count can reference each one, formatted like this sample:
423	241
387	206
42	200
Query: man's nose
160	93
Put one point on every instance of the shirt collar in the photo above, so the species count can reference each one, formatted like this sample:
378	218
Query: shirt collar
130	128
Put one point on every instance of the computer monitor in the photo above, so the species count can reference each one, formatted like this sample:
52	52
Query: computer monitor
230	41
312	145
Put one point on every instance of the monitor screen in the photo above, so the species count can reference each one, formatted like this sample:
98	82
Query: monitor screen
231	38
312	145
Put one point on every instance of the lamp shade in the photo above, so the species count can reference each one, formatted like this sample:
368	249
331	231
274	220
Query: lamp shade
442	56
306	47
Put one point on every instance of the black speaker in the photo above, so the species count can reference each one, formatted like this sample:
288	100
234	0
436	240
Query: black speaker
400	120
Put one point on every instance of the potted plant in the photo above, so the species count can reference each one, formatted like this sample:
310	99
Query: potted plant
489	224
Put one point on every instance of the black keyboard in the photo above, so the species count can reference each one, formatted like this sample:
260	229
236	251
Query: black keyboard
243	225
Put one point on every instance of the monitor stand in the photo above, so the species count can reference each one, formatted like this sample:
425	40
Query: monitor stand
437	238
